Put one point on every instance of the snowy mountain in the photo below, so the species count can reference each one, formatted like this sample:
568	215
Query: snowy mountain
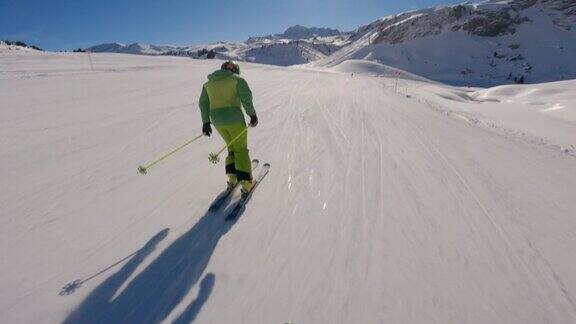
484	44
297	45
488	43
6	45
136	48
218	50
301	32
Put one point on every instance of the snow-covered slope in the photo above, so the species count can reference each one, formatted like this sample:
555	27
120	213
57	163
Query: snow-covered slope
381	206
483	44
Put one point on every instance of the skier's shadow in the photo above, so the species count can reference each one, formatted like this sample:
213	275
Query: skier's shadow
152	295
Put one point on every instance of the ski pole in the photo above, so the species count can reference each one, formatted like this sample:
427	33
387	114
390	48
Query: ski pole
214	157
144	169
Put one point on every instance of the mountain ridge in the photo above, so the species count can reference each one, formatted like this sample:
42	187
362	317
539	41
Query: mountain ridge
296	45
483	44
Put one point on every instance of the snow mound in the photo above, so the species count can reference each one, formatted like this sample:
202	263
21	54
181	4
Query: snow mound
545	97
529	93
543	113
365	67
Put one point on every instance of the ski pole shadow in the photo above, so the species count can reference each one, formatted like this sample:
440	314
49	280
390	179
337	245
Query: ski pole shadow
154	292
71	287
101	295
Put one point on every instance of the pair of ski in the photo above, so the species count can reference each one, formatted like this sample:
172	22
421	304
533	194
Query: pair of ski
240	203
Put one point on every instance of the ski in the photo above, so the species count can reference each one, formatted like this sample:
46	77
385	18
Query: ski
227	193
245	198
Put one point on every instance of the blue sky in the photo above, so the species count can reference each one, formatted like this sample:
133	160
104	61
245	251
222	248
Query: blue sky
67	24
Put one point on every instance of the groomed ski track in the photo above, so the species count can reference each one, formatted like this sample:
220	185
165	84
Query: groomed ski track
379	207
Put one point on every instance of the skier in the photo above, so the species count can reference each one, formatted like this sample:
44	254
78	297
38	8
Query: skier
220	103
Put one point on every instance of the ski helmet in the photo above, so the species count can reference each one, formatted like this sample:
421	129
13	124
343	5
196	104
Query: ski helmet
231	66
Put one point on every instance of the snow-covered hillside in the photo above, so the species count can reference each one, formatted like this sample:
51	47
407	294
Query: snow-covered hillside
389	200
484	44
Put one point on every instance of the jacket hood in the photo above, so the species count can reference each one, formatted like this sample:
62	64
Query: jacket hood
219	74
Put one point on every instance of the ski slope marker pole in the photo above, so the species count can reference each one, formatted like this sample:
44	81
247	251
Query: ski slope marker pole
213	157
90	59
144	169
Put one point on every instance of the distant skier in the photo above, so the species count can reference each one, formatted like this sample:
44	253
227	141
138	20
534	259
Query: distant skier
521	80
220	103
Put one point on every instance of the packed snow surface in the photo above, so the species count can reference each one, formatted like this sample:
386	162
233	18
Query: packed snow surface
407	203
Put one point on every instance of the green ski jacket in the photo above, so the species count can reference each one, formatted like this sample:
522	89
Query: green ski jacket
222	98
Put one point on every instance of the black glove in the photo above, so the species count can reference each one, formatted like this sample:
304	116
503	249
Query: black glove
253	121
206	129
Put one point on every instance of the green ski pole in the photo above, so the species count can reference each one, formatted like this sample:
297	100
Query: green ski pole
213	157
144	169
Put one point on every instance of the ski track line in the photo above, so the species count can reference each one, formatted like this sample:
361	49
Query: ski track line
370	115
364	228
341	228
321	108
342	121
287	125
502	233
291	202
354	157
